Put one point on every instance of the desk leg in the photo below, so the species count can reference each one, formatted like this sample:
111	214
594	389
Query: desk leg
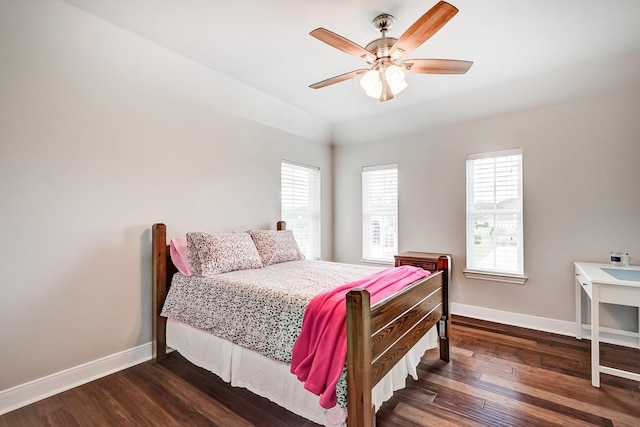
578	310
595	336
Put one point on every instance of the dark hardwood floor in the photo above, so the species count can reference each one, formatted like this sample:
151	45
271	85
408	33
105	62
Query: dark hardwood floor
498	376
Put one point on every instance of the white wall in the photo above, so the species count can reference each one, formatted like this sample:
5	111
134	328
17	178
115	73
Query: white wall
581	198
101	135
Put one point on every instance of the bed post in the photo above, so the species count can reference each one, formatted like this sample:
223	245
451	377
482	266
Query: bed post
281	225
360	410
444	326
159	285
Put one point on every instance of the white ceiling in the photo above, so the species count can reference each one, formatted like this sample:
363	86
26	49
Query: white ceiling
526	53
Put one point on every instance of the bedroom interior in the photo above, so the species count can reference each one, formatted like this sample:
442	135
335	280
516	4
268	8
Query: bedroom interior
118	115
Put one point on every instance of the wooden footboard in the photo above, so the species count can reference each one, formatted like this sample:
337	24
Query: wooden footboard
377	337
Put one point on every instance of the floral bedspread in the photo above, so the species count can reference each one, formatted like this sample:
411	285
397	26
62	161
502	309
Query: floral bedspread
259	309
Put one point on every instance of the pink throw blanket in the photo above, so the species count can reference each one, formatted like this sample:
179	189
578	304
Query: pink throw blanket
320	352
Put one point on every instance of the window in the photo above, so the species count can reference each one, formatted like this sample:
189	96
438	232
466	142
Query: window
494	216
300	205
379	212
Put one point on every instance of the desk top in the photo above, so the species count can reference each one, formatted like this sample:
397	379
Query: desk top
595	274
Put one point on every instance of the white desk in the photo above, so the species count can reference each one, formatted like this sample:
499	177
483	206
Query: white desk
601	286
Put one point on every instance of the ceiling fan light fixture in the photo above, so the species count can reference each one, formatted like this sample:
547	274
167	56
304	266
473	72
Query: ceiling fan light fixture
371	83
395	78
393	75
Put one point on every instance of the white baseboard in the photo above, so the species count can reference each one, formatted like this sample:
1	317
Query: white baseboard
608	335
24	394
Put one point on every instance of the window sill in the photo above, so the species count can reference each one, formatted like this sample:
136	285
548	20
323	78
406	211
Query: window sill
495	277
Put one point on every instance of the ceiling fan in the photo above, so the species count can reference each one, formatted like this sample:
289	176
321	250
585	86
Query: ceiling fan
385	78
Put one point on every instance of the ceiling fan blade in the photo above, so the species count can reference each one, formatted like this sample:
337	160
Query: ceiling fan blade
425	27
436	66
338	79
339	42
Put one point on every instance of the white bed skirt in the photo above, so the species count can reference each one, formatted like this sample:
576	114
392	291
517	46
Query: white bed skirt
271	379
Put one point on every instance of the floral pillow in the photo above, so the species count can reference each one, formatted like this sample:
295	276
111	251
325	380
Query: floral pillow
276	246
211	254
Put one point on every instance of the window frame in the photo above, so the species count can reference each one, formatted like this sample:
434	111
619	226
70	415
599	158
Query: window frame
385	216
310	244
515	208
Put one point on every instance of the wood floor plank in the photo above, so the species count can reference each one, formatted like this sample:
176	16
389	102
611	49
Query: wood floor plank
537	352
173	405
142	407
515	403
422	418
461	351
89	406
561	362
499	375
480	334
198	400
613	411
60	418
32	414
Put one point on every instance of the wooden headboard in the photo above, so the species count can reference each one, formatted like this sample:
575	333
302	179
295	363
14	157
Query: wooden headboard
163	270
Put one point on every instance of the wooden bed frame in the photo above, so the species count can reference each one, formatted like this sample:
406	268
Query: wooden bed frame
377	337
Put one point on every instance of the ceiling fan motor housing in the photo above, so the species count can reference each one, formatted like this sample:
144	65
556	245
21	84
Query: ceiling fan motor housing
380	47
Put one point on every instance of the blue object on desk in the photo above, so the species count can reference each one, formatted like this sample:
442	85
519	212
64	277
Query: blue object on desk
631	275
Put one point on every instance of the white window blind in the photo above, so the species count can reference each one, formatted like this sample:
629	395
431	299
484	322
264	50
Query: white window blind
379	212
494	213
300	205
